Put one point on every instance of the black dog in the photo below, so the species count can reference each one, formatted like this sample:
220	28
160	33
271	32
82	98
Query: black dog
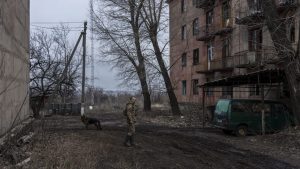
89	120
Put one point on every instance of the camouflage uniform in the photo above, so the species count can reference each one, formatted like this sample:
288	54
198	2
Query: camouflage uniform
131	120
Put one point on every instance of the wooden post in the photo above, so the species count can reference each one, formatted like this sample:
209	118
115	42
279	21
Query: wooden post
83	69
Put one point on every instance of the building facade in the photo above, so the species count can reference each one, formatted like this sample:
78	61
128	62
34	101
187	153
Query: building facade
14	63
214	39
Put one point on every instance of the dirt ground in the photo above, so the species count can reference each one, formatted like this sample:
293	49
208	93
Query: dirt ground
65	143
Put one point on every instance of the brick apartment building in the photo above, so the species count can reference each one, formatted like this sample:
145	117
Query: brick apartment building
214	39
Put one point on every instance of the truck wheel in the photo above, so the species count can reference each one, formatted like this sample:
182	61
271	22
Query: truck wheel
241	131
227	131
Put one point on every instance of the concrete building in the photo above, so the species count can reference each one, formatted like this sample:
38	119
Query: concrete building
214	39
14	63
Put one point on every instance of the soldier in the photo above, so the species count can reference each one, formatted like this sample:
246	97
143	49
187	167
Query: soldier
130	113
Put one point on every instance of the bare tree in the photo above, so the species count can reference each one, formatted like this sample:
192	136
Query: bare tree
48	56
118	26
154	18
288	56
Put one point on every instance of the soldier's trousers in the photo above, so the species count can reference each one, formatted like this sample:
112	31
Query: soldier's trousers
131	129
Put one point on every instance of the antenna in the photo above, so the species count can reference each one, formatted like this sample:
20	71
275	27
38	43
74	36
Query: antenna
92	52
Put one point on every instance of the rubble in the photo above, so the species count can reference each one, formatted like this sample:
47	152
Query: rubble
14	145
25	139
23	162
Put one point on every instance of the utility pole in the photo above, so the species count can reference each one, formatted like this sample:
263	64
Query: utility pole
92	53
83	68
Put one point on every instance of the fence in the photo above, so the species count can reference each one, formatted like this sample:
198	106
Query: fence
72	109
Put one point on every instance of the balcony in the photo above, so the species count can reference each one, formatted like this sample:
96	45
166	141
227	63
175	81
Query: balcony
287	5
250	15
205	4
219	64
224	27
246	59
206	33
201	68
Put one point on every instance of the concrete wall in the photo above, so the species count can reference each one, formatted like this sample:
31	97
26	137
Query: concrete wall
14	62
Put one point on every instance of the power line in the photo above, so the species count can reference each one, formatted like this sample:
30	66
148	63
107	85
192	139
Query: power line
49	23
57	28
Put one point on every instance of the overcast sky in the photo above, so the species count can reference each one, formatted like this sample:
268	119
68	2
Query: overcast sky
72	11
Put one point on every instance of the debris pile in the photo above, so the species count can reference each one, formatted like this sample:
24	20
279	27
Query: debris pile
15	146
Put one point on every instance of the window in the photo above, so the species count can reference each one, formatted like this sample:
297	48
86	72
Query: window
254	90
195	83
183	6
255	39
183	32
225	14
183	83
242	107
226	53
239	107
258	107
183	60
196	27
209	17
210	51
225	49
196	57
222	107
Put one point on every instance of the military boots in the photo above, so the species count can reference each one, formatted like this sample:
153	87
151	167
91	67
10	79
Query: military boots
127	141
132	141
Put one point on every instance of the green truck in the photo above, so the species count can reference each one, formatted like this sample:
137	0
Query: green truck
244	116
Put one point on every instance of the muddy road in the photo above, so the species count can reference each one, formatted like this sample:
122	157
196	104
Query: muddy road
65	143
